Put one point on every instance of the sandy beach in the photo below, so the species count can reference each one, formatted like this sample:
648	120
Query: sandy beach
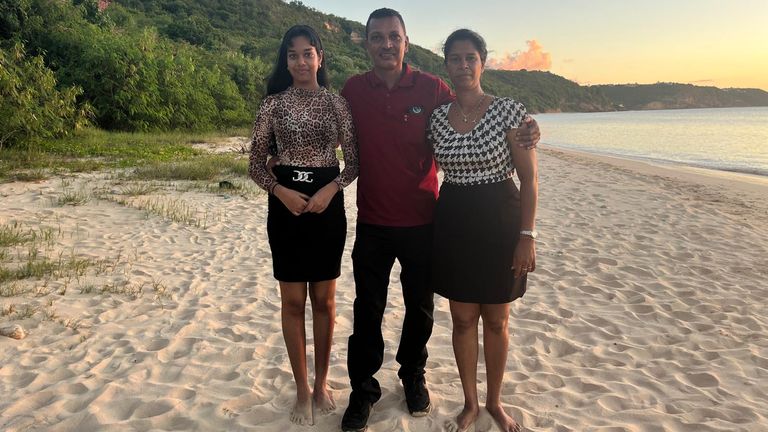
647	311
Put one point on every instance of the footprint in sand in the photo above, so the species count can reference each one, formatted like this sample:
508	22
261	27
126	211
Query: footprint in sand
177	349
228	334
612	403
152	409
182	394
23	379
30	404
641	309
157	344
702	380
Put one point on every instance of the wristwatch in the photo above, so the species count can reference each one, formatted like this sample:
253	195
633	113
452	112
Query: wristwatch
532	234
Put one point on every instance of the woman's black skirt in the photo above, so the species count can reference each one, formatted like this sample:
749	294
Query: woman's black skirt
476	231
308	247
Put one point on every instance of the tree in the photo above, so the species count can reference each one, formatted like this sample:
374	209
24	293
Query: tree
13	14
31	107
195	30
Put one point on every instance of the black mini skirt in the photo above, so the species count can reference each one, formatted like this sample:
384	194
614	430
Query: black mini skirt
476	230
308	247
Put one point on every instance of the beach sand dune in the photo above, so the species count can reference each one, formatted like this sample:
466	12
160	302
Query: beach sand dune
647	311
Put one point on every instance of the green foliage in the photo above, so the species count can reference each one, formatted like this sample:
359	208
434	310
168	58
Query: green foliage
158	65
13	14
13	234
248	75
134	78
125	148
206	167
94	149
544	91
153	65
89	9
426	60
196	30
33	165
253	28
31	107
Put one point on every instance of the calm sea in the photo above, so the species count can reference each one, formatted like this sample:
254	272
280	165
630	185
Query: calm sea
729	139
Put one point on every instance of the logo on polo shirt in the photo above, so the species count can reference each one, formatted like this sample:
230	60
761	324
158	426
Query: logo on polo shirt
415	109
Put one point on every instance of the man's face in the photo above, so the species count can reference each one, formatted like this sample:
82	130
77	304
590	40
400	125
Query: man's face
386	43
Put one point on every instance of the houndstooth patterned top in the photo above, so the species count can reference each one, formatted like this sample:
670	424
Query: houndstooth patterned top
482	155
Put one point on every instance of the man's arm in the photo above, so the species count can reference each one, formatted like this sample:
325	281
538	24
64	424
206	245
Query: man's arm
527	135
273	162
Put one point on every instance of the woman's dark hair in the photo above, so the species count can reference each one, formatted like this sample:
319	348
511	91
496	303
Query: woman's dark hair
281	79
466	35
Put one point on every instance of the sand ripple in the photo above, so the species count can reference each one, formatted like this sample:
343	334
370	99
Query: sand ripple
646	314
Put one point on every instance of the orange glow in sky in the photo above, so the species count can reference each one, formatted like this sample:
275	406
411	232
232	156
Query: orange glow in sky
703	42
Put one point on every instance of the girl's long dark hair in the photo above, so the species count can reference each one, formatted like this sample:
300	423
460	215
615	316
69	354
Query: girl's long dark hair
281	79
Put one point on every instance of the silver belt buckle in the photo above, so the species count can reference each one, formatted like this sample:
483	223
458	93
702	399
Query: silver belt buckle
302	176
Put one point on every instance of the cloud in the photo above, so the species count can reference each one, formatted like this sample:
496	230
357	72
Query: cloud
533	59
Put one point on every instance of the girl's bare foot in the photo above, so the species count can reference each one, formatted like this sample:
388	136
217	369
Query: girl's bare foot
324	401
505	422
301	414
464	420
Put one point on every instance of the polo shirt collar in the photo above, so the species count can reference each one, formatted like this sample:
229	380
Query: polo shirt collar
406	79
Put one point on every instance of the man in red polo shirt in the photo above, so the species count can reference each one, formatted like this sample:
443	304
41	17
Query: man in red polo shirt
396	193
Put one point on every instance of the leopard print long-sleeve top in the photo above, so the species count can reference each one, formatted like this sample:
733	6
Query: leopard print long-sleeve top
307	125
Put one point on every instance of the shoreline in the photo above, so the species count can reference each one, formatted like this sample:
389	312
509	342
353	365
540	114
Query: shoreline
650	109
746	176
752	187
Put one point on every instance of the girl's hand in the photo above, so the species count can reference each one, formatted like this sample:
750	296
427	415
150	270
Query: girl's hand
294	201
320	200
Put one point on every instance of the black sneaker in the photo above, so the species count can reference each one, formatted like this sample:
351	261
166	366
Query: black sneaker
417	396
356	416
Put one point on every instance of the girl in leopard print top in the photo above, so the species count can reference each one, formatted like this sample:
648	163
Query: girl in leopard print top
306	221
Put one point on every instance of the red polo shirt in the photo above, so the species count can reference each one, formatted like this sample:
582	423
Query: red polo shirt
397	184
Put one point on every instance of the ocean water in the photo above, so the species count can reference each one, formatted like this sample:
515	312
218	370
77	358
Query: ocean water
727	139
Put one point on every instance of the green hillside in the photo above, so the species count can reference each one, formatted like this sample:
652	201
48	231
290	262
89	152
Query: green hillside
254	27
673	96
202	64
545	91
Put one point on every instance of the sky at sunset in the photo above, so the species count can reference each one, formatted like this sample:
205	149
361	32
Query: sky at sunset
723	43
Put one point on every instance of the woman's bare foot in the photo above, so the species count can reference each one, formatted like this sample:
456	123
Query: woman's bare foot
324	401
301	414
505	422
464	420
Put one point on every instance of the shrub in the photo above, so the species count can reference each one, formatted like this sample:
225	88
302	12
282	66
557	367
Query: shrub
31	107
